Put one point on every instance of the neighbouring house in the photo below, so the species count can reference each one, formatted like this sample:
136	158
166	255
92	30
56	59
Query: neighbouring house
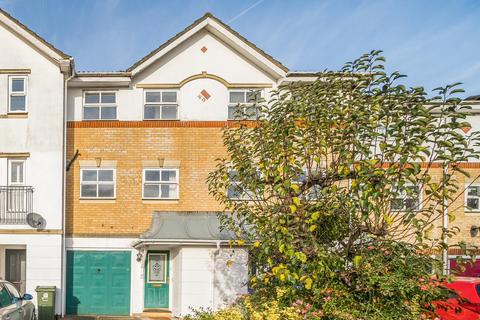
115	164
33	75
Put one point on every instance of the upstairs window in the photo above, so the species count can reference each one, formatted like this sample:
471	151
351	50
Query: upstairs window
16	172
160	184
472	198
100	106
314	192
242	104
160	105
407	200
237	190
17	101
97	183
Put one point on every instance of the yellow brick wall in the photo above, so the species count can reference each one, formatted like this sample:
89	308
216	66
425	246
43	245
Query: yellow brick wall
129	215
462	218
196	148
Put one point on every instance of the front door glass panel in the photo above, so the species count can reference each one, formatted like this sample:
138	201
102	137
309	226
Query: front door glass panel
157	268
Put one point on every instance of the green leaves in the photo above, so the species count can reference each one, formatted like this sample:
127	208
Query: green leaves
345	178
357	260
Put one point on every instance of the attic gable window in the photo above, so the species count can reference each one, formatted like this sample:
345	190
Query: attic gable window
242	104
160	105
17	100
100	105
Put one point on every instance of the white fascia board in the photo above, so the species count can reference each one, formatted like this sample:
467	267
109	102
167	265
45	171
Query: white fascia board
168	48
290	80
245	49
145	242
226	36
99	82
30	38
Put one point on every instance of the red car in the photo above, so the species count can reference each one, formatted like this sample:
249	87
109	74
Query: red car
464	307
453	310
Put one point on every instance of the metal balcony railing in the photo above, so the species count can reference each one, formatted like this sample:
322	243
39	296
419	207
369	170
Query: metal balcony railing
15	203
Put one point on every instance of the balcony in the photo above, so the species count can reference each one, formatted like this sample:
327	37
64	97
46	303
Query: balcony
16	202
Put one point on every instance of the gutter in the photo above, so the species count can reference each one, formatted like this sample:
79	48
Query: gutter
64	185
137	244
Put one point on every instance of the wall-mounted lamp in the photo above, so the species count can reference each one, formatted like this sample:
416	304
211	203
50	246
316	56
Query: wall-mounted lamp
474	230
139	256
98	162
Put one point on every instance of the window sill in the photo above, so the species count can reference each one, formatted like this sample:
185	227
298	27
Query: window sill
159	201
15	115
161	119
97	200
93	120
472	213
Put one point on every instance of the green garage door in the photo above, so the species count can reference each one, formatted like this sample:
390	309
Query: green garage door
98	282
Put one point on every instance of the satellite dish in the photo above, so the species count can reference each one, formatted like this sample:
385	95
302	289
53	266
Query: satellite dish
36	221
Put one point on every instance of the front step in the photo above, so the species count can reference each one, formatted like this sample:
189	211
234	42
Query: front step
157	314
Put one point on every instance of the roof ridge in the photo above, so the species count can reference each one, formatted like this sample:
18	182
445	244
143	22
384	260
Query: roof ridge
34	34
208	15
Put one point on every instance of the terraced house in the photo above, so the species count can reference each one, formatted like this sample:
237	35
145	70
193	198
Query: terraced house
141	225
133	230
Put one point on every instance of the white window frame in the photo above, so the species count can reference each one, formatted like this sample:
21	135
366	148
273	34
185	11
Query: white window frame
17	94
420	199
159	183
246	195
467	209
245	104
161	104
10	162
309	194
97	183
99	105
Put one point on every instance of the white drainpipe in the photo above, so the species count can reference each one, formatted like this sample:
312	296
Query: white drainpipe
214	278
446	267
63	292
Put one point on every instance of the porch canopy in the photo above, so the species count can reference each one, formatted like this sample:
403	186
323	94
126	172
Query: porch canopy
184	227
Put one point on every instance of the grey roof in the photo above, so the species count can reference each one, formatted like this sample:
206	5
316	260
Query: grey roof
473	98
186	225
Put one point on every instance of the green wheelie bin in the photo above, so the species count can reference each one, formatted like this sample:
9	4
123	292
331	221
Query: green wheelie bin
46	302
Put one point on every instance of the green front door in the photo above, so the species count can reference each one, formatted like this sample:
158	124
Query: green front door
157	268
98	282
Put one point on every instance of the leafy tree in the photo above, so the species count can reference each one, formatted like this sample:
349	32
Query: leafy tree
339	187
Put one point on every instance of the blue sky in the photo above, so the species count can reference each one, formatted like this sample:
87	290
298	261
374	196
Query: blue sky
434	42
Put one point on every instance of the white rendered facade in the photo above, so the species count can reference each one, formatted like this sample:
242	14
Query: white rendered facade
31	157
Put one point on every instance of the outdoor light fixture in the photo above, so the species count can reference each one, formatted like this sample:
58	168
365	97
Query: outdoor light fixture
139	256
474	230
